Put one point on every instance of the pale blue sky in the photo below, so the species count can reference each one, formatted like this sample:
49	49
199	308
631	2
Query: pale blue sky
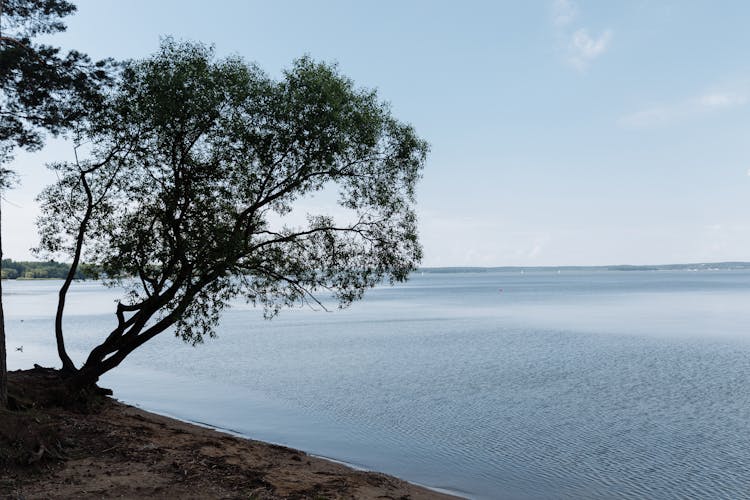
562	132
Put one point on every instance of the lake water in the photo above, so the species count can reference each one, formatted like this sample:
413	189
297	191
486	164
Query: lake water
540	384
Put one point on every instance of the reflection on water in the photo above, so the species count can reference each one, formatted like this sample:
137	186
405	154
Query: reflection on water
502	385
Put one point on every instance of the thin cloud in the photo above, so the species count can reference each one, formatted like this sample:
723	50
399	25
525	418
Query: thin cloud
584	48
719	100
538	247
564	12
579	47
648	117
703	104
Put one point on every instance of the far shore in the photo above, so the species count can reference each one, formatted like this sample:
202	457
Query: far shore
125	452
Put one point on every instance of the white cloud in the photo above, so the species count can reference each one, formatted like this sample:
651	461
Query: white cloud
579	48
452	240
583	48
538	247
647	117
717	100
708	102
564	12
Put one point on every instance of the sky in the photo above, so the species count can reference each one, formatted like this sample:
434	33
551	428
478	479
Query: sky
562	132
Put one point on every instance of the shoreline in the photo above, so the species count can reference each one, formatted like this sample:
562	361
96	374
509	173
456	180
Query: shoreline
354	467
125	451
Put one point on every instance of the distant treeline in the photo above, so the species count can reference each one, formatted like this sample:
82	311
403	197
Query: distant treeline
702	266
39	270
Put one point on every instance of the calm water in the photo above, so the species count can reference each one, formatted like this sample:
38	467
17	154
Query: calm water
496	384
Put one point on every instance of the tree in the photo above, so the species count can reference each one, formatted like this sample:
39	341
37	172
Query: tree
40	91
187	195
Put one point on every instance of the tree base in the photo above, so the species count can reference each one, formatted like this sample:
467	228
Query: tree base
43	387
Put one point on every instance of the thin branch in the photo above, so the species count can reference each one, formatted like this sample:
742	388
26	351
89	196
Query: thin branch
297	285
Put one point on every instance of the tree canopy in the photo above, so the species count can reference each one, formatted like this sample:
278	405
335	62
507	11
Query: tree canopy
195	167
43	90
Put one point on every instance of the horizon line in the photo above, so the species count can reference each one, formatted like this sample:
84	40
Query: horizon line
589	266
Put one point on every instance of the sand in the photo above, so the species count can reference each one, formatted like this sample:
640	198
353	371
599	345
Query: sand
119	451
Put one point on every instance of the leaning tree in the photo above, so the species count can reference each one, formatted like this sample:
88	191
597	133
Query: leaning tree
186	193
42	90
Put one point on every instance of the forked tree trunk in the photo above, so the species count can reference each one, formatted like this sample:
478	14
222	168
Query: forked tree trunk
131	335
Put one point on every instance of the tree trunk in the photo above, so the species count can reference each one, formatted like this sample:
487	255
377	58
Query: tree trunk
120	346
82	379
3	351
67	364
68	367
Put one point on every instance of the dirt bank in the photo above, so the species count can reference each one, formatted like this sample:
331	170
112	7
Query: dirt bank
115	450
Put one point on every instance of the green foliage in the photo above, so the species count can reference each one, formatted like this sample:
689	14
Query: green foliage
50	269
196	167
42	89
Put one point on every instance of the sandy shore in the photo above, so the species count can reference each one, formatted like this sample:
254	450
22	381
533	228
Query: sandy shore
122	451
